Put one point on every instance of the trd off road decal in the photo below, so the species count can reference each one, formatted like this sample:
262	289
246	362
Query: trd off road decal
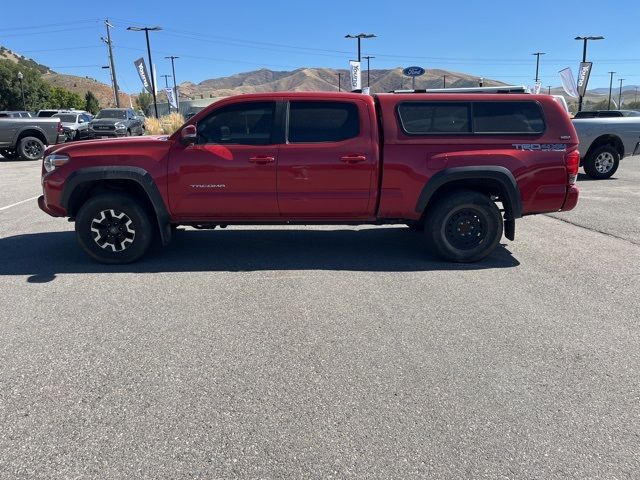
541	147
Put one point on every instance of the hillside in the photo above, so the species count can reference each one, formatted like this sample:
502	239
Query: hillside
81	85
321	79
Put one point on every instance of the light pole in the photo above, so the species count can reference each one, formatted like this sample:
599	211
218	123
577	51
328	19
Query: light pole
359	37
548	89
175	87
620	95
584	59
146	31
21	77
166	85
339	81
610	87
368	57
444	81
537	54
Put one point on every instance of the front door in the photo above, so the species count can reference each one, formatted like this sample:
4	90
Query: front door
231	170
326	168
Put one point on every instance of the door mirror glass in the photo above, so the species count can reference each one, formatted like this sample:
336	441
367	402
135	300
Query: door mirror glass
81	120
189	134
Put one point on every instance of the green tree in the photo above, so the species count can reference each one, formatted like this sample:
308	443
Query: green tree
91	103
144	101
36	91
61	98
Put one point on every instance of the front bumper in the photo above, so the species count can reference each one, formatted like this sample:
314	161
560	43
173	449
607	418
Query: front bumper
107	133
48	209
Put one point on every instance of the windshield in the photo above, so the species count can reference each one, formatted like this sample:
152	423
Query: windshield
119	114
67	118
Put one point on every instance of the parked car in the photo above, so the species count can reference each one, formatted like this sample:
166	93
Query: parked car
116	122
27	138
75	125
607	114
48	113
15	114
439	163
605	141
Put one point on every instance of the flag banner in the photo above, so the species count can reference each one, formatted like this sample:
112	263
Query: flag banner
537	87
171	97
583	77
144	74
355	75
568	82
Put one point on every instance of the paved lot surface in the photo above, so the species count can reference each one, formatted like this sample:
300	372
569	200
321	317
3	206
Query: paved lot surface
323	352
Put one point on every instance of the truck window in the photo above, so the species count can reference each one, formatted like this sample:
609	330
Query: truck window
420	118
507	117
315	122
248	123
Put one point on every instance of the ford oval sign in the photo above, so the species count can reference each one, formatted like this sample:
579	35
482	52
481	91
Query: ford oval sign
413	71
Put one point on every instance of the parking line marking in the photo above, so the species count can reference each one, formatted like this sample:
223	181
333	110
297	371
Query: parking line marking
19	203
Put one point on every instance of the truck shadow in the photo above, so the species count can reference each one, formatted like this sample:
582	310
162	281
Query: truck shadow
42	256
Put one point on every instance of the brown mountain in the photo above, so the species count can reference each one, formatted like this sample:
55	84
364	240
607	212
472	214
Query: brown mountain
321	79
82	85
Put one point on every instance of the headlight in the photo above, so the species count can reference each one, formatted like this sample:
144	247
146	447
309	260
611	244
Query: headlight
120	126
51	162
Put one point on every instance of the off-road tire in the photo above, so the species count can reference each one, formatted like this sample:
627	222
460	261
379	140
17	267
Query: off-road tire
31	148
602	163
114	228
465	226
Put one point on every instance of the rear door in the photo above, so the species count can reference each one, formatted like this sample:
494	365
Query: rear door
231	171
326	167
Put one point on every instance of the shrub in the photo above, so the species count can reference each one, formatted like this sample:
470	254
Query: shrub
165	125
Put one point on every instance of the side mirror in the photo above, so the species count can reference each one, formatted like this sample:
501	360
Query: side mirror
189	135
81	121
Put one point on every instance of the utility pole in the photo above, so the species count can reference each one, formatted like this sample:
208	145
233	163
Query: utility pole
444	81
175	86
584	59
166	82
636	97
610	87
620	95
112	63
339	82
548	89
368	57
146	31
537	54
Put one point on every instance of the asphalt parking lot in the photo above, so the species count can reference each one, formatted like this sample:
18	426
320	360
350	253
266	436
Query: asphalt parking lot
313	352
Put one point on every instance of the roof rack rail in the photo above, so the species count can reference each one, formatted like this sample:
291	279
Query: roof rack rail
499	89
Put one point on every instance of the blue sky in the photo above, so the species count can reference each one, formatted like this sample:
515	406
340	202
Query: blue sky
494	39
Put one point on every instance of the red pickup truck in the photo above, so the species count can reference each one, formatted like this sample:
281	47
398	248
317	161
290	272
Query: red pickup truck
462	167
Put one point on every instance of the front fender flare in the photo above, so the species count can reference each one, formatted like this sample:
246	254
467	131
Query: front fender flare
138	175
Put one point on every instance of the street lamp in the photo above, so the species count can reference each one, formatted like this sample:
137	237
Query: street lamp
359	37
537	54
584	58
548	89
146	31
620	95
610	86
175	87
21	77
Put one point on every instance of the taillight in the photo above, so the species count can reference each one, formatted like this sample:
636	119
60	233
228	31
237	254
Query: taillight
60	130
573	163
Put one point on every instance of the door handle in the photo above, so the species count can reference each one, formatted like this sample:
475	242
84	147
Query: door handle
353	158
262	159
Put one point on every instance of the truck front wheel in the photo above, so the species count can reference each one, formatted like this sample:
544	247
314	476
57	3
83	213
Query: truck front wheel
465	226
114	228
602	162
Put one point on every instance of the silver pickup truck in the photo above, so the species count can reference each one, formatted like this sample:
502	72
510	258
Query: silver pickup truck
605	141
27	138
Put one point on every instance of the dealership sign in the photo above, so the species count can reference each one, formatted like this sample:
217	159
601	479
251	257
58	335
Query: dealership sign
355	75
141	68
414	71
583	77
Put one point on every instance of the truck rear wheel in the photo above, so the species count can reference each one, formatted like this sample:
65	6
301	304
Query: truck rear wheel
114	228
465	226
602	162
30	148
